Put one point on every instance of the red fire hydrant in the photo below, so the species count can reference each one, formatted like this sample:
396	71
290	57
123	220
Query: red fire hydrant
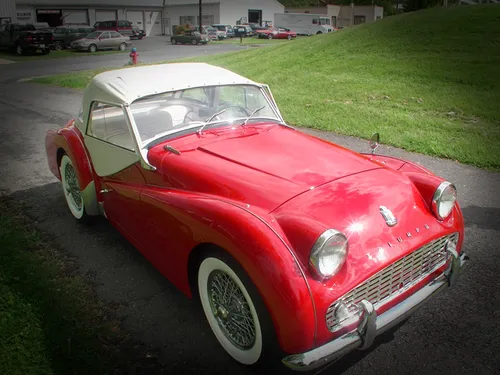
133	56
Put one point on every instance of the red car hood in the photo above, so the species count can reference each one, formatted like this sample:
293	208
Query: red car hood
260	166
352	206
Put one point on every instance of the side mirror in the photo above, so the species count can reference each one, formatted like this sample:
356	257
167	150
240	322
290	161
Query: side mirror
374	142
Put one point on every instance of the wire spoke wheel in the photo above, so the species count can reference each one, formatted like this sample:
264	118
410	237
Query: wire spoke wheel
71	188
231	310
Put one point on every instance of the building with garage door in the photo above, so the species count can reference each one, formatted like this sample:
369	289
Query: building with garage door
155	17
226	12
8	11
147	14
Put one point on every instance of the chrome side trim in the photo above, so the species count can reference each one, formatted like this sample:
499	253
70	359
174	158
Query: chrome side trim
372	325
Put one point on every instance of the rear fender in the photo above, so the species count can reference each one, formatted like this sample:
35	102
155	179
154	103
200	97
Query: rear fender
68	140
191	220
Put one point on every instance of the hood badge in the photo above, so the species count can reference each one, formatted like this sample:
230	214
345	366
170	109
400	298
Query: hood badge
388	216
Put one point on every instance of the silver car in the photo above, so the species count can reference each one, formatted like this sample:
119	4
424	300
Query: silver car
101	40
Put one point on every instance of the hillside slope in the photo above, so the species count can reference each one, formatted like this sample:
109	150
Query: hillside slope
428	81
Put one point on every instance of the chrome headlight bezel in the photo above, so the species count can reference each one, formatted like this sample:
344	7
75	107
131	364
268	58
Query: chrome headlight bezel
443	189
320	249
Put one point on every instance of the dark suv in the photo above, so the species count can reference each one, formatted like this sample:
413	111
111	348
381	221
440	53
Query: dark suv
64	35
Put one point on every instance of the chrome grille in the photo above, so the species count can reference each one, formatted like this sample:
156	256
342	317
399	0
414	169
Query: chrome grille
396	278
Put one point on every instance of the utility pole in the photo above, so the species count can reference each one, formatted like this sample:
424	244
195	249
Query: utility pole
201	23
351	14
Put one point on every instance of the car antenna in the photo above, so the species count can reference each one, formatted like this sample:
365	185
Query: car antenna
211	118
253	113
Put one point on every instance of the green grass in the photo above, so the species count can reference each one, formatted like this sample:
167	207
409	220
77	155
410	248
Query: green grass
50	320
428	81
7	55
250	41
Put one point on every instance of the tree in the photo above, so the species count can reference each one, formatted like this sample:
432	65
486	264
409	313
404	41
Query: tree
411	5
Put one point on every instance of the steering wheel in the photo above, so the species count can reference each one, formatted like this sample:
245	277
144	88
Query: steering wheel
188	118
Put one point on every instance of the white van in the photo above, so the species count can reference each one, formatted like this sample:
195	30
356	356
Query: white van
304	23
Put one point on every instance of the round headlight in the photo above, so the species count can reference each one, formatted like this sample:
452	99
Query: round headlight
329	253
444	199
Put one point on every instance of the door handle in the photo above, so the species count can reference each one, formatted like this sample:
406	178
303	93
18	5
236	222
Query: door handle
103	191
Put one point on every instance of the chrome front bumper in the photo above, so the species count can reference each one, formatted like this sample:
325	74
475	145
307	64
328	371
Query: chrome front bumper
372	325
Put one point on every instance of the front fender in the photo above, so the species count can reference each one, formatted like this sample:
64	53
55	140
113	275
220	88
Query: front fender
189	220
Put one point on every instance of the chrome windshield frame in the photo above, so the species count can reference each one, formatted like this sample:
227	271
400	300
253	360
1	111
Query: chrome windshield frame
143	147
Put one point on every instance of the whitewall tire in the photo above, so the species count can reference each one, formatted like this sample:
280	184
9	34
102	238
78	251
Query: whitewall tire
232	316
71	188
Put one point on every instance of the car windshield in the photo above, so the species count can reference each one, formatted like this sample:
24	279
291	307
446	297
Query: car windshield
163	114
93	35
59	30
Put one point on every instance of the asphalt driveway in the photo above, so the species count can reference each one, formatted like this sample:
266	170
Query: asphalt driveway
455	333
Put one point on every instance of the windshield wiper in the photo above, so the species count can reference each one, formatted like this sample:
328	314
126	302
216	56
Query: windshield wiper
211	118
253	113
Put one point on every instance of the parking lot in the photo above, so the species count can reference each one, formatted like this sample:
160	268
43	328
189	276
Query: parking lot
151	50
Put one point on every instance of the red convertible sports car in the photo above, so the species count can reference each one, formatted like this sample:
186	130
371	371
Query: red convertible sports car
296	248
277	33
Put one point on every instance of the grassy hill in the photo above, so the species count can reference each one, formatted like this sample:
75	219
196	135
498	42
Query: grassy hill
428	81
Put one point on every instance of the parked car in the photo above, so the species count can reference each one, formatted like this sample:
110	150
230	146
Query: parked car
64	35
257	27
210	31
190	37
277	33
227	29
137	33
243	30
123	27
286	240
101	40
43	26
23	38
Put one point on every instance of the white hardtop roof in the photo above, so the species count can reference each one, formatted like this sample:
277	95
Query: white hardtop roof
123	86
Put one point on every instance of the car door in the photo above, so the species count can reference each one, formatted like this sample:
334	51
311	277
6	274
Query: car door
116	39
111	146
105	41
185	38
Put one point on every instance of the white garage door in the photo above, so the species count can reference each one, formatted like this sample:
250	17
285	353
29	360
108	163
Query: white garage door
153	23
75	17
105	15
136	18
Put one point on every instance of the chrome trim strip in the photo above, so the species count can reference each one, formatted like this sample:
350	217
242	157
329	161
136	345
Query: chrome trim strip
373	325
